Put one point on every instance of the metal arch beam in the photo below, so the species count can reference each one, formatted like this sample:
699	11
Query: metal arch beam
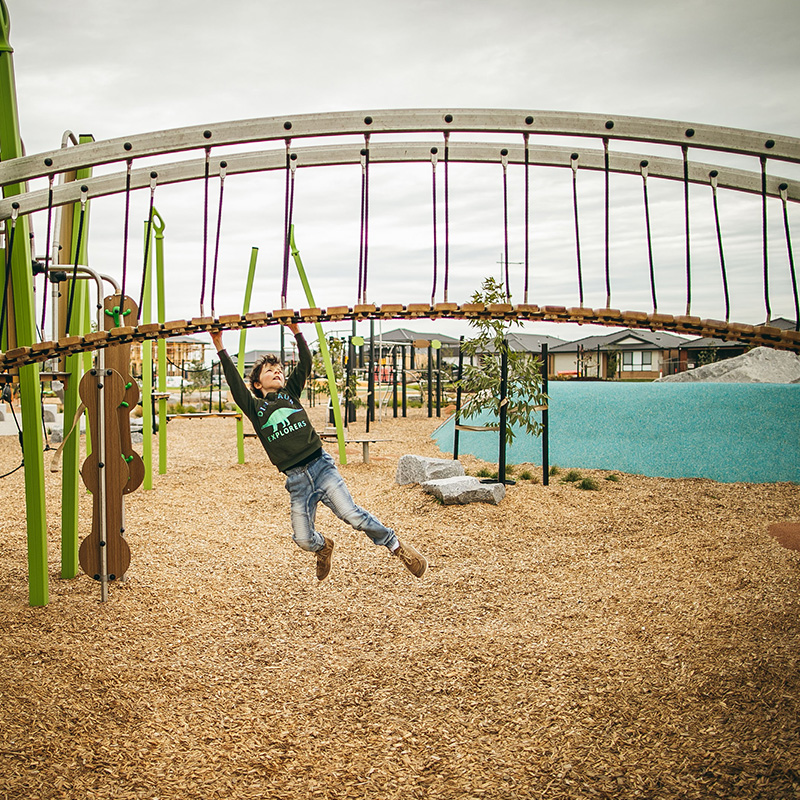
392	122
753	335
389	153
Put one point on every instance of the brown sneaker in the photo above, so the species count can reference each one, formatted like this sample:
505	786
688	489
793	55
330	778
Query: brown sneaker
324	559
414	561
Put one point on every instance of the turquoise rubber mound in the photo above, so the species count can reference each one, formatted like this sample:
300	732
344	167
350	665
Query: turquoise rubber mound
728	432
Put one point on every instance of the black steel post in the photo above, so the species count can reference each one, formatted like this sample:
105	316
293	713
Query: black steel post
371	377
458	397
394	381
501	466
439	382
545	420
404	382
430	380
348	372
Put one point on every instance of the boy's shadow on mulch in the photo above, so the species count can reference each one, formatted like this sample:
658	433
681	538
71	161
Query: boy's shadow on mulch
787	534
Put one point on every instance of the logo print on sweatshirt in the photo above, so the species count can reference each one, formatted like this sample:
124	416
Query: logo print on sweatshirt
280	418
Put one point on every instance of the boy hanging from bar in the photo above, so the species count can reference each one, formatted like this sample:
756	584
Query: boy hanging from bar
286	433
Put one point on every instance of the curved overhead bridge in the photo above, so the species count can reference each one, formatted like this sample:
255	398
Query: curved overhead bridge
573	235
753	335
375	138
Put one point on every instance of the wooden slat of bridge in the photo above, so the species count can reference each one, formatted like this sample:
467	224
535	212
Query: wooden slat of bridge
754	335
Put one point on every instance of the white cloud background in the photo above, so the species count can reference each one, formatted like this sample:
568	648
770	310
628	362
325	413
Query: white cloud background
115	69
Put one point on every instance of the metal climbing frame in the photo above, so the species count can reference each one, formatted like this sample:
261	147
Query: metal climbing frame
370	139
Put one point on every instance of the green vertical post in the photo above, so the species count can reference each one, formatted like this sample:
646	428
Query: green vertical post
25	327
248	293
323	347
145	312
75	366
161	346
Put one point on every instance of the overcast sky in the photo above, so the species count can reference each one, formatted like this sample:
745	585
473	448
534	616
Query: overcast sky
114	69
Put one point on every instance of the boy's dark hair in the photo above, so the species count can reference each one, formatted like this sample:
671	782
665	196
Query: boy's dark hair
255	373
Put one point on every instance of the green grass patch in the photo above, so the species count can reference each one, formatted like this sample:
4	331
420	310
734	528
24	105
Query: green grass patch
589	485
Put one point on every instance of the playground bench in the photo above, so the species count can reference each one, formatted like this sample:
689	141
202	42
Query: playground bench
364	441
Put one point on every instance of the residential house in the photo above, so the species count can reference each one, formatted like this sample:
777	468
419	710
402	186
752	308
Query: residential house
182	352
623	355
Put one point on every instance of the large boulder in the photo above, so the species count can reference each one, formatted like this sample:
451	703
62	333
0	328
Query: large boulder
418	469
465	489
759	365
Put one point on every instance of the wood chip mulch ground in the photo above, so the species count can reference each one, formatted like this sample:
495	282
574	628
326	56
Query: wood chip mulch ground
637	641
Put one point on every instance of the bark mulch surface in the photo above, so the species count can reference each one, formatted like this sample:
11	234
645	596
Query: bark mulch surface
637	641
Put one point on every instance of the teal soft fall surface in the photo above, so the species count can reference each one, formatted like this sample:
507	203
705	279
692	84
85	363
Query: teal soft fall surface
724	431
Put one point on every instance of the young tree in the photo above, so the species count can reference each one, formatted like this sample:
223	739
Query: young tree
481	382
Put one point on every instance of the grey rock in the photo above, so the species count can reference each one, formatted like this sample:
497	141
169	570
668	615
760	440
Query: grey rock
418	469
465	489
759	365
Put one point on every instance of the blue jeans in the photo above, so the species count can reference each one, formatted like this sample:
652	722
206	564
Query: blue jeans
320	481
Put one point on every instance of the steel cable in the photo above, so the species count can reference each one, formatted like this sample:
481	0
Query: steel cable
643	166
713	175
574	160
147	236
222	169
783	188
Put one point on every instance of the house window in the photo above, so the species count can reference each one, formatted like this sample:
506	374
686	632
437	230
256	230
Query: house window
637	361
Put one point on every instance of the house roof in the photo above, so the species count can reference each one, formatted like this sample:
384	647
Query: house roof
189	340
627	339
708	341
251	356
531	342
405	336
783	323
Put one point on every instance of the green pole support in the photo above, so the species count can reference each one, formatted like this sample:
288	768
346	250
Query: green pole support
76	366
248	293
161	346
147	378
323	347
25	327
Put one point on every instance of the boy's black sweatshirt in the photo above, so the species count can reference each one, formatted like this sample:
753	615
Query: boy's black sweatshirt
280	422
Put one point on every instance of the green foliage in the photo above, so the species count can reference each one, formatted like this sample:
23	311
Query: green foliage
336	349
707	356
198	375
613	478
180	408
612	363
571	477
589	484
481	382
554	469
526	475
